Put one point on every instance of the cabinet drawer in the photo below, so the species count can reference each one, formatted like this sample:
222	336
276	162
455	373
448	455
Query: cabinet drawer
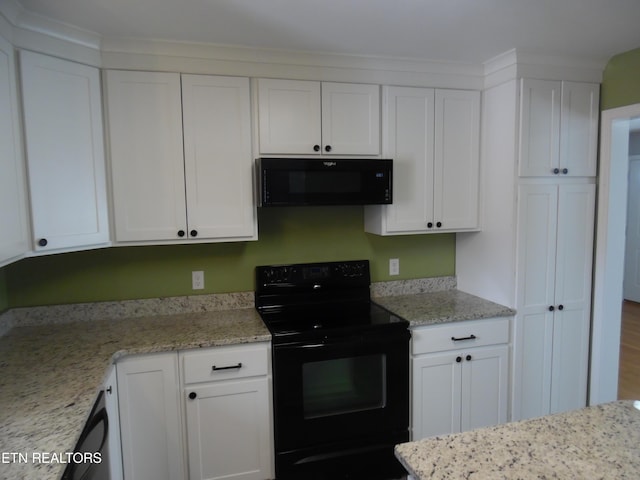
451	336
224	363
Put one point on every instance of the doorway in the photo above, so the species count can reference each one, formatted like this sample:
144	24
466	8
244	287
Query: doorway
616	125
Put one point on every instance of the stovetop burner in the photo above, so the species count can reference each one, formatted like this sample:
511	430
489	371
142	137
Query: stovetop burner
319	299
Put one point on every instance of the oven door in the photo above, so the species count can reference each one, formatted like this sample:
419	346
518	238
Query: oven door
336	389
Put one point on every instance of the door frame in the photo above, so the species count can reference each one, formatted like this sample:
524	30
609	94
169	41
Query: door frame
609	252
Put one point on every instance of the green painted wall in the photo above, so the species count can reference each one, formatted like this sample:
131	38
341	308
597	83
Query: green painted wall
621	80
285	235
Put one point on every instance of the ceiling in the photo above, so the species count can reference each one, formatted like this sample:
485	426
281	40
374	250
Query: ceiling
467	31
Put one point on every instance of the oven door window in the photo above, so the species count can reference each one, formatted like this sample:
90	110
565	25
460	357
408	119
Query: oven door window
343	385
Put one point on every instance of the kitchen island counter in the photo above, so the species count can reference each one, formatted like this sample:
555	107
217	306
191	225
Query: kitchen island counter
50	374
599	442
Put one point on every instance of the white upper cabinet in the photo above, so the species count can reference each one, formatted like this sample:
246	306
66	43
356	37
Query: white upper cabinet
65	153
14	240
558	128
217	157
307	118
147	168
457	160
433	138
168	187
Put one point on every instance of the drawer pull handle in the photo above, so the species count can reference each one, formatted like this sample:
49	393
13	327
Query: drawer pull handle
470	337
230	367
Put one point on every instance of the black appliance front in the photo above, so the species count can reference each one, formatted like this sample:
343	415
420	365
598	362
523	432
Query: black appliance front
340	372
93	440
340	406
316	181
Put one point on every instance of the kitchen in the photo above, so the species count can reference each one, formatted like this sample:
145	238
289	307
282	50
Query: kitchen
162	271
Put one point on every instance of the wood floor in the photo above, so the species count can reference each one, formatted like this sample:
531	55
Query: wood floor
629	378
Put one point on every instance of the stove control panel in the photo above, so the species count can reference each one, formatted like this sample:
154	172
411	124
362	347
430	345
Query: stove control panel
330	273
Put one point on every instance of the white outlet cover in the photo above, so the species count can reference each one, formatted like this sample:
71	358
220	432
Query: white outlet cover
197	280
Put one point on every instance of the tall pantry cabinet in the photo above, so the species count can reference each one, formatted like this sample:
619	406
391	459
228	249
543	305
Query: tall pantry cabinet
535	250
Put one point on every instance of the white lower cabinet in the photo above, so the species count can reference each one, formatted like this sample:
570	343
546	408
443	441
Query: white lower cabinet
227	407
551	332
197	414
460	376
113	414
150	417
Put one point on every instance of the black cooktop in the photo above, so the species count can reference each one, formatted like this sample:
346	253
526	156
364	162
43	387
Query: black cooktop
320	299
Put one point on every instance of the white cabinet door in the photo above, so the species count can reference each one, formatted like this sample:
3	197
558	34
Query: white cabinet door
147	166
485	380
350	119
579	128
289	117
558	128
13	215
408	125
65	152
539	127
150	420
457	159
459	390
433	137
533	349
437	389
574	254
113	414
217	157
228	431
309	118
555	235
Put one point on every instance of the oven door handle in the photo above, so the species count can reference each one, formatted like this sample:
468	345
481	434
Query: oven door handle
341	453
330	341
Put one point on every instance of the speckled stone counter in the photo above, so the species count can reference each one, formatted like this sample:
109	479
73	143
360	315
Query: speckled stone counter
600	442
445	306
50	374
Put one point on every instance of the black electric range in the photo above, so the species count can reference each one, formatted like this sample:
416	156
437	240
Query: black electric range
340	372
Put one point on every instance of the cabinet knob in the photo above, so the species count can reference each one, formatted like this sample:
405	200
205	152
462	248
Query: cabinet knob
43	242
458	359
439	224
560	307
565	170
109	390
327	148
430	225
556	171
316	148
193	233
193	395
181	233
468	358
551	308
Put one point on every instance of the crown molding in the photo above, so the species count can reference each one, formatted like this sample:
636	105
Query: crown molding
35	32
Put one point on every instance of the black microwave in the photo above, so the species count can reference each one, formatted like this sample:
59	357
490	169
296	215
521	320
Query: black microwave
324	181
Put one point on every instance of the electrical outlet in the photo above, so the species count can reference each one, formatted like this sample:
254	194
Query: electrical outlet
197	280
394	266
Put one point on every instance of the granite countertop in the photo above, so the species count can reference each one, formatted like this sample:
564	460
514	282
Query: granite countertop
50	374
431	308
599	442
54	359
